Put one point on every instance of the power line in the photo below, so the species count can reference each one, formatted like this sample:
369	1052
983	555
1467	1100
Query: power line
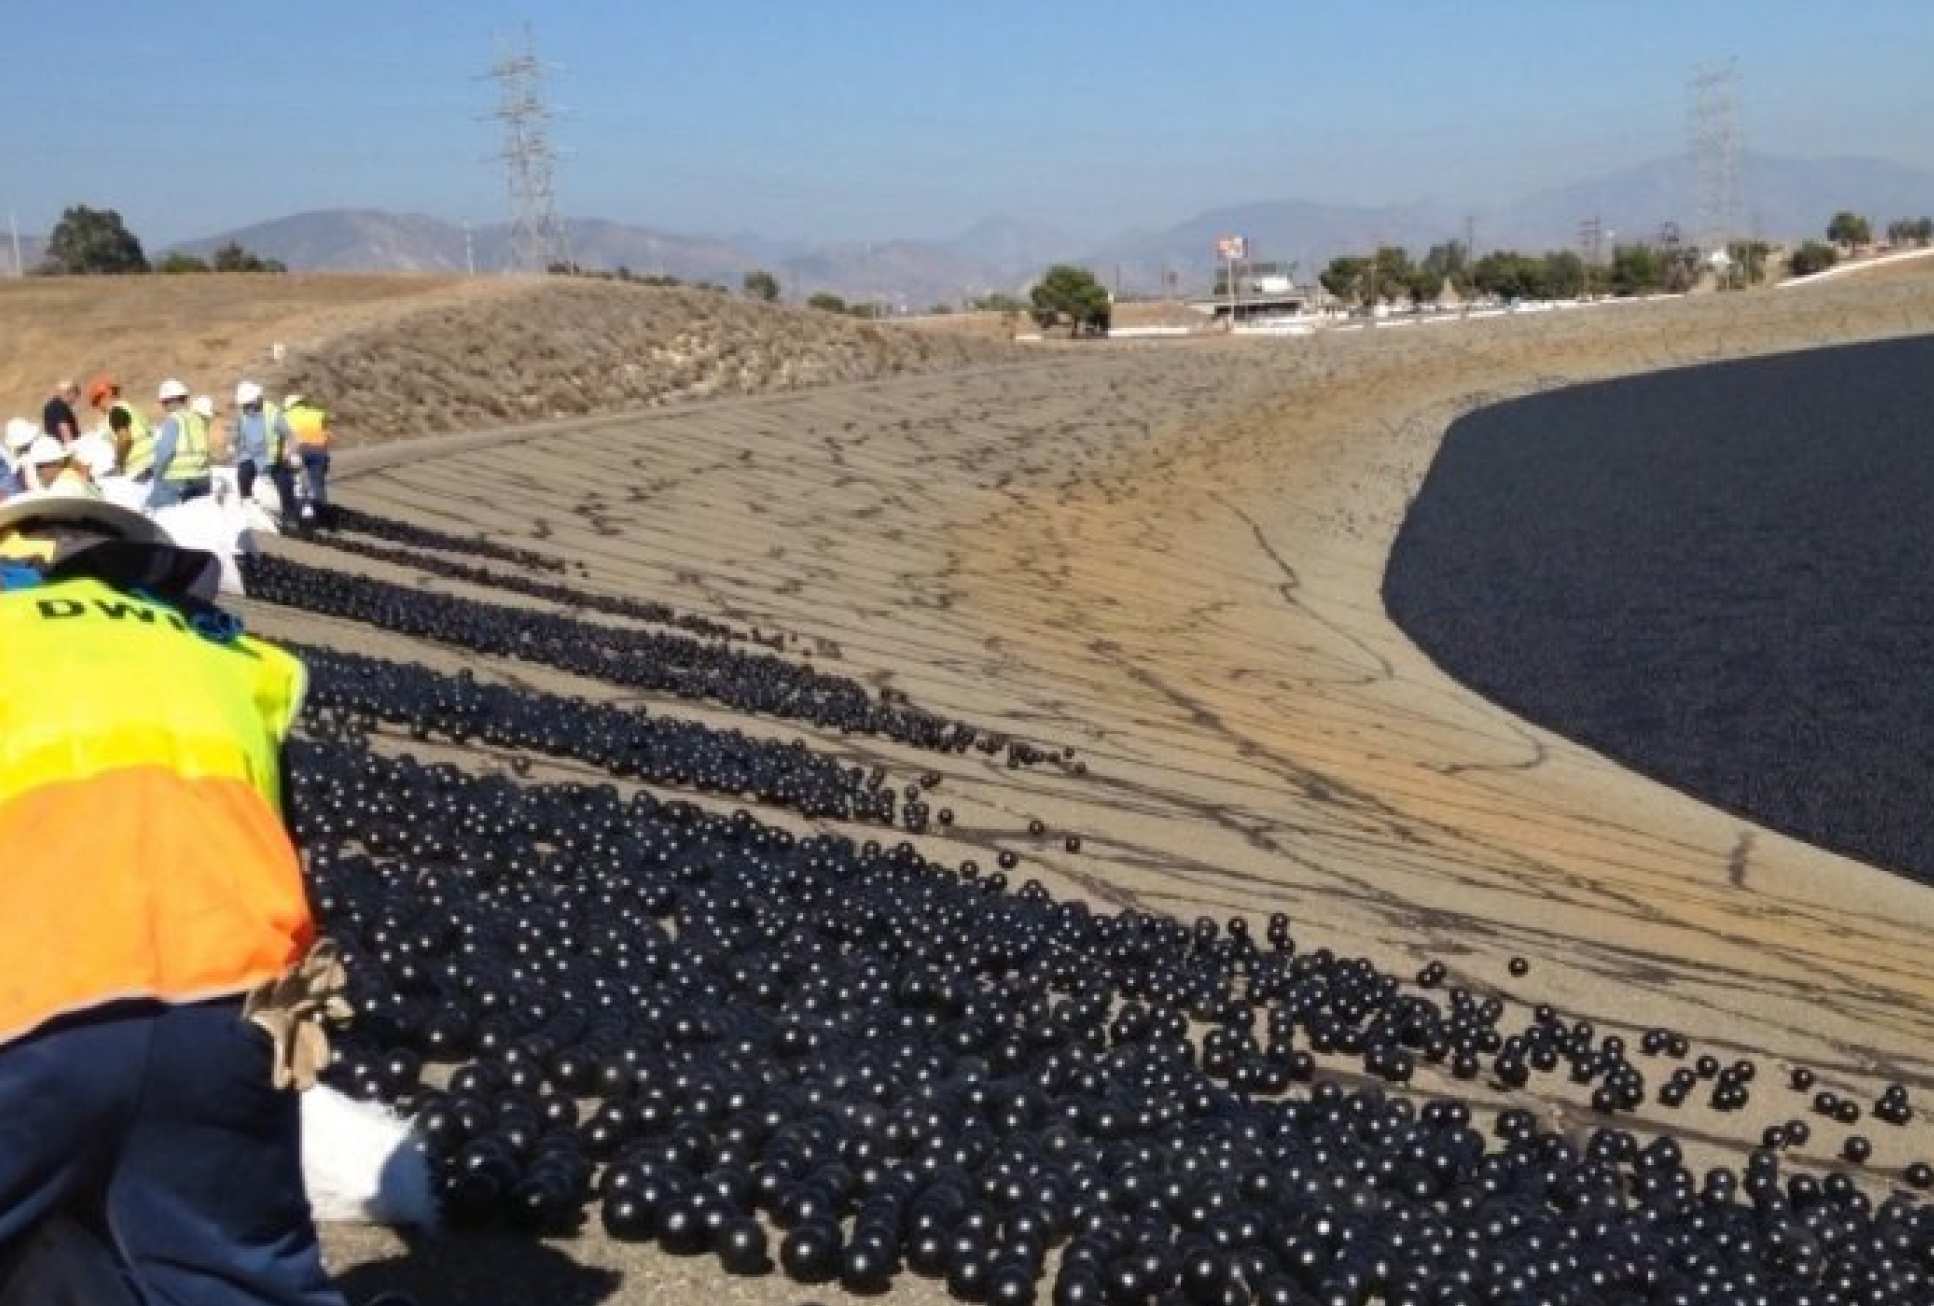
537	238
1713	127
1591	241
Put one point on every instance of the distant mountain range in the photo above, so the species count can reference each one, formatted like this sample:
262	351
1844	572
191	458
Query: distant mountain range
1785	198
995	254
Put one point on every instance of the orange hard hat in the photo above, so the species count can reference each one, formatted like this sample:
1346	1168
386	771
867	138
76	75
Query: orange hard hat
100	389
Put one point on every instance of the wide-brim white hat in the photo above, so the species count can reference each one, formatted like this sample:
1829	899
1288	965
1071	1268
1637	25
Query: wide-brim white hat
49	507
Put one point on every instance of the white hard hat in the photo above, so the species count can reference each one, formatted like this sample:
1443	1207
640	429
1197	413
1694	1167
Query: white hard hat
48	506
20	433
203	407
172	389
248	393
294	398
44	450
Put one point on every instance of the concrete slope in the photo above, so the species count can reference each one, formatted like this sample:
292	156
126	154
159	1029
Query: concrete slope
1169	558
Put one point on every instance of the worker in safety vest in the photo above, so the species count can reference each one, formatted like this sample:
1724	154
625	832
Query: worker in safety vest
104	396
311	427
149	888
179	469
263	443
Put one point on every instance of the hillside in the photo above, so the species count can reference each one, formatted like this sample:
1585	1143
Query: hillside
559	348
207	330
405	355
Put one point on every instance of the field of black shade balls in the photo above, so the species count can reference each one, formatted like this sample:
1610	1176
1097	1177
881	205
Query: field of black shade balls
832	1058
1722	577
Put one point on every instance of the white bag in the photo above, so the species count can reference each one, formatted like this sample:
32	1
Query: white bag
360	1165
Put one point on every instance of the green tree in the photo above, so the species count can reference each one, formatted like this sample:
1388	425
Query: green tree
1345	279
231	257
1071	295
1813	256
178	264
1510	275
87	242
827	302
1390	273
1564	275
1910	231
941	309
1849	229
1637	270
1000	303
1425	285
761	285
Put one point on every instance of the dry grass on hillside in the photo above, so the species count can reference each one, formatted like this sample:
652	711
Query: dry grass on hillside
563	349
208	330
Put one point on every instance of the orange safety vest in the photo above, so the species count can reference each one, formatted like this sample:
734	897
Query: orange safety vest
309	424
142	848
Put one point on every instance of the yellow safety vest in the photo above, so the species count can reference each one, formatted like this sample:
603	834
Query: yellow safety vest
141	830
140	459
310	426
271	438
190	462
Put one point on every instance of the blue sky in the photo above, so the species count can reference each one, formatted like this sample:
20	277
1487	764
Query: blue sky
876	118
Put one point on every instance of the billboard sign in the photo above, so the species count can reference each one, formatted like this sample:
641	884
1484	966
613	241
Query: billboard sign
1232	248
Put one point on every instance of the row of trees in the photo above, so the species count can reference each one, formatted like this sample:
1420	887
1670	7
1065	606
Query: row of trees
1391	276
97	242
228	257
1850	230
1911	231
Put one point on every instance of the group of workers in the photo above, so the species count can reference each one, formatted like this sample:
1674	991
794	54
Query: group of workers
172	457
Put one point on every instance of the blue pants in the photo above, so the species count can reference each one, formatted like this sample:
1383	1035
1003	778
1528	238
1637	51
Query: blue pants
315	466
159	1126
166	494
279	474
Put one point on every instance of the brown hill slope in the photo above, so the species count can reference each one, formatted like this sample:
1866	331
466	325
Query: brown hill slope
555	349
404	355
207	330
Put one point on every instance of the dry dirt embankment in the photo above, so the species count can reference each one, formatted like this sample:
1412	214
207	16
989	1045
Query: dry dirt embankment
557	349
207	330
394	356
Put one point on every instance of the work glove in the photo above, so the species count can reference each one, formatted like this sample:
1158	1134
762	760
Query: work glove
294	1010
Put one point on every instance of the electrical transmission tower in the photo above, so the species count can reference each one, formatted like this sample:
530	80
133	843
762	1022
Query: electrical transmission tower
537	238
1591	241
1713	120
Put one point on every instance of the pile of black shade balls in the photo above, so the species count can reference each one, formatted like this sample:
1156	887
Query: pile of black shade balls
349	695
844	1062
655	661
345	518
703	1028
551	591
